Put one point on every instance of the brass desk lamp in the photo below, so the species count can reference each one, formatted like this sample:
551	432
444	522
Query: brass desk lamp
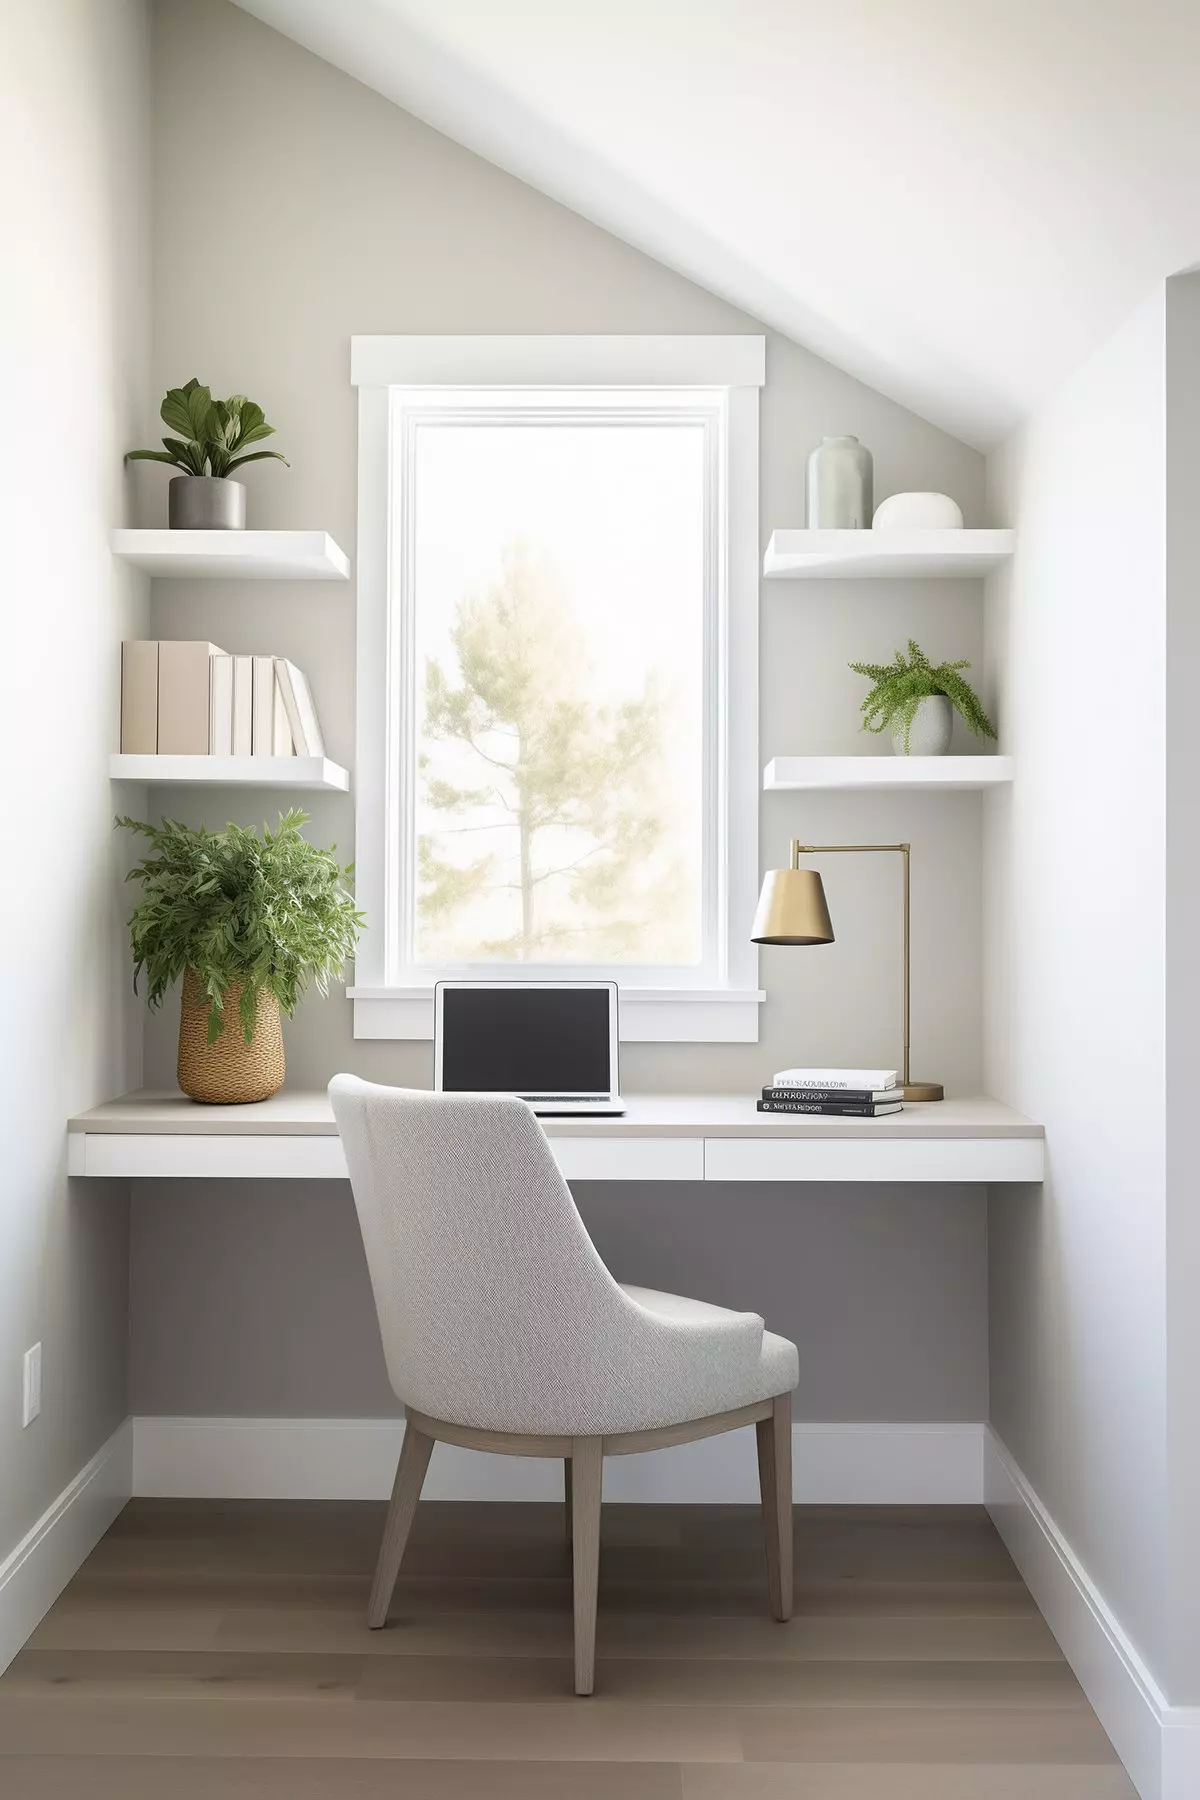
792	910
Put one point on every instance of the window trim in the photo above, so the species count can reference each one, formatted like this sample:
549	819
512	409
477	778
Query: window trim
728	1013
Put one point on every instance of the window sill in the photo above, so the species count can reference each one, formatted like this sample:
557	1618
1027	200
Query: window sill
648	1015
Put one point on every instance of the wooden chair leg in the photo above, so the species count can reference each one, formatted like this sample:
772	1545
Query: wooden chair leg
567	1494
587	1477
775	1480
410	1478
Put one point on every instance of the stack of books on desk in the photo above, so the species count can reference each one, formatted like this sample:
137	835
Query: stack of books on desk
834	1093
192	699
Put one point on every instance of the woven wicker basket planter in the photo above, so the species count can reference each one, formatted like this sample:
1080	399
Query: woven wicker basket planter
230	1072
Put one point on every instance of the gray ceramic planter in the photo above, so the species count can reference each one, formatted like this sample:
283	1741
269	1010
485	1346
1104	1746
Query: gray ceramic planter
206	503
929	733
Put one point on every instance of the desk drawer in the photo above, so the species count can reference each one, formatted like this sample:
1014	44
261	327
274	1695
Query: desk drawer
629	1158
874	1159
254	1156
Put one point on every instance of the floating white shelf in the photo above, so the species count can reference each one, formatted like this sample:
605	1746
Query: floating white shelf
790	774
312	772
234	555
876	555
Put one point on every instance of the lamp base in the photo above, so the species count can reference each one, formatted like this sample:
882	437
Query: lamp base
924	1090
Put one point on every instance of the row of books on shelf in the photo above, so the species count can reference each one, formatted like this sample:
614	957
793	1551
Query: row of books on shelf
834	1093
181	698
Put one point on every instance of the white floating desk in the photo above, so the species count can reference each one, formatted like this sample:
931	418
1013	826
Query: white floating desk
692	1138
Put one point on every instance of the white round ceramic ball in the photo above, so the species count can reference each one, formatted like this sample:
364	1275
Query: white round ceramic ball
918	512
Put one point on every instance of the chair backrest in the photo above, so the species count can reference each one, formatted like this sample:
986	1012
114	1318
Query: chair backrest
494	1305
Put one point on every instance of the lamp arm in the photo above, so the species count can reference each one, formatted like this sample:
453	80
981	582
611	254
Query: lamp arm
799	849
904	851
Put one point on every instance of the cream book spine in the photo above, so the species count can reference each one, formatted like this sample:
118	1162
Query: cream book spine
262	685
139	698
284	744
220	730
184	697
243	705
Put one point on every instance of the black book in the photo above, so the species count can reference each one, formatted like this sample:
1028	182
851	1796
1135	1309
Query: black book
851	1096
832	1109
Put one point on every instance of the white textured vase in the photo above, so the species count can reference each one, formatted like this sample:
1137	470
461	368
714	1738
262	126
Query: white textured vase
918	512
929	733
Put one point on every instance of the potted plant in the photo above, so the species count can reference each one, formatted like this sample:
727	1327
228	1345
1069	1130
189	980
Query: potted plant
245	919
212	444
916	702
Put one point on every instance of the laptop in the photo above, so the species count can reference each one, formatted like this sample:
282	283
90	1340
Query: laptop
553	1043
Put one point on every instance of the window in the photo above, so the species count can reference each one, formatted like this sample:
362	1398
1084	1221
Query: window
553	713
548	700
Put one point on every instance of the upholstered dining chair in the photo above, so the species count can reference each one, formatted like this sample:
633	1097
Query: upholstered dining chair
504	1331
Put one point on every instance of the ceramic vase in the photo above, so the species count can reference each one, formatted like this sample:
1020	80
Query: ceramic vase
840	486
929	733
918	512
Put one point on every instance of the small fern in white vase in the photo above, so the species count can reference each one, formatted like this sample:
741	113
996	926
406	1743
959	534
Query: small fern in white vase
915	700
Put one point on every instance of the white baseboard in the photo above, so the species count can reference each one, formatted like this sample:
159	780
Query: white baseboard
37	1571
1158	1743
355	1459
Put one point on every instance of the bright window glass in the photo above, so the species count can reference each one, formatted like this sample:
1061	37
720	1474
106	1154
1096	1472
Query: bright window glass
559	594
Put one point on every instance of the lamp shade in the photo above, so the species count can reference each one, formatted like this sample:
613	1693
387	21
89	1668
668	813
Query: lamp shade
792	909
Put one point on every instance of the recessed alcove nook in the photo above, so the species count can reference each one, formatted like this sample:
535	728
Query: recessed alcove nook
839	1006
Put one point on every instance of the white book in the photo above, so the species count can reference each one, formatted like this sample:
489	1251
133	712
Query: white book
220	702
283	744
243	705
302	714
262	729
835	1078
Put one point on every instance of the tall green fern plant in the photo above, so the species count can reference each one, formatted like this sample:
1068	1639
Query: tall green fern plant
899	687
270	911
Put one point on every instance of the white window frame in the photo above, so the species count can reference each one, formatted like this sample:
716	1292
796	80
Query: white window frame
726	1012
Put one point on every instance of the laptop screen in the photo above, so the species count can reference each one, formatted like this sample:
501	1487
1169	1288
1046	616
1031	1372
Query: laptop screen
525	1040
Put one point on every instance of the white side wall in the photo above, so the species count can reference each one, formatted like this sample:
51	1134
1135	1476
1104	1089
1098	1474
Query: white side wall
1075	992
1182	1673
73	97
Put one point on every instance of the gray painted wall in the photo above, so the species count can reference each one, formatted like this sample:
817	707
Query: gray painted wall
252	1297
73	98
1075	896
342	214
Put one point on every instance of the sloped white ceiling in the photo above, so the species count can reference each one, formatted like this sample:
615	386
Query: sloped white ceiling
955	200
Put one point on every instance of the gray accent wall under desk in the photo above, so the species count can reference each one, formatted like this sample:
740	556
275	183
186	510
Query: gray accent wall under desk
344	214
251	1298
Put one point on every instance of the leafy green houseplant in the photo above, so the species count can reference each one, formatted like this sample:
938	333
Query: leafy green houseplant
246	918
214	439
899	688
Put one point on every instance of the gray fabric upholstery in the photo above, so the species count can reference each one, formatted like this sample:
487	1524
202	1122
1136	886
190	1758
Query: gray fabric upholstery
495	1308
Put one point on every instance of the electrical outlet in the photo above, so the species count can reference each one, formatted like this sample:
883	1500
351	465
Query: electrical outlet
32	1385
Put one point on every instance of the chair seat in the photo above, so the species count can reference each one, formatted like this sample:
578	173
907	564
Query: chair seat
719	1382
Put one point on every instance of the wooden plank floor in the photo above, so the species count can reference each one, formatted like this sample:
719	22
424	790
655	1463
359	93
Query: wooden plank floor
218	1651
